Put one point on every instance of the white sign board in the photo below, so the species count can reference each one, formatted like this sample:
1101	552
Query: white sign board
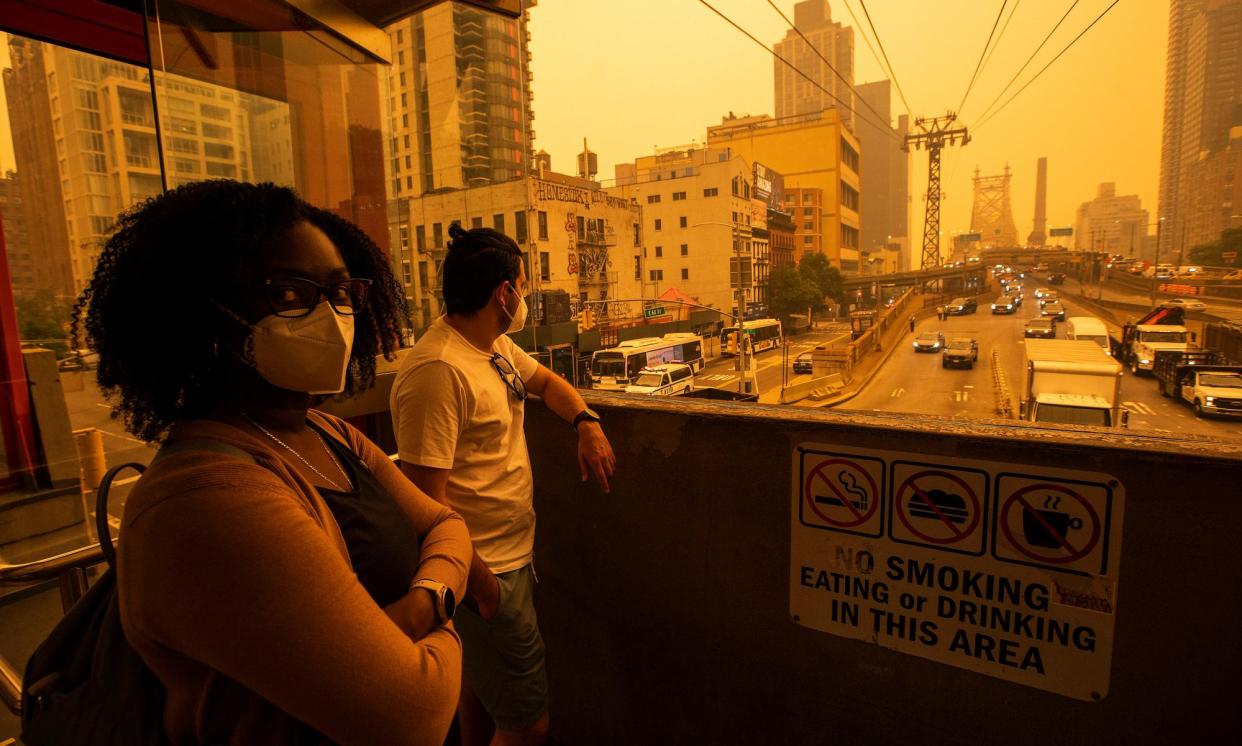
1002	569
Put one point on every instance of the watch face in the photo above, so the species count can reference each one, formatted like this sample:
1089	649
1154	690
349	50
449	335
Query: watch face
450	604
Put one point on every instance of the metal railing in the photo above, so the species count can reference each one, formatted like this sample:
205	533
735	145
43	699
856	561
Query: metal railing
69	568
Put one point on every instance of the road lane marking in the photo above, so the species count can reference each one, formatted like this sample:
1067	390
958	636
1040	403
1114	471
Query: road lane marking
897	393
1139	407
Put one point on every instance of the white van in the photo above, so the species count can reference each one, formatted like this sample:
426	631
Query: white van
1087	327
668	379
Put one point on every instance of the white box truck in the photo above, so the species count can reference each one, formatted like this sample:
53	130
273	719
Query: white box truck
1069	382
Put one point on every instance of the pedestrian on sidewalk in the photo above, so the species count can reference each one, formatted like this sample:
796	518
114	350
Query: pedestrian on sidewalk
911	322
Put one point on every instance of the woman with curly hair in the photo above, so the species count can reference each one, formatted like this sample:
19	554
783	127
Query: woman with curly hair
279	575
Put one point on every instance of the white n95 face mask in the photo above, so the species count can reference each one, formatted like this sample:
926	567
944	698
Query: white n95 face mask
517	319
309	354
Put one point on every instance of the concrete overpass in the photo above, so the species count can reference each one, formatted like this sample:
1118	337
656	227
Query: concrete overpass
1017	256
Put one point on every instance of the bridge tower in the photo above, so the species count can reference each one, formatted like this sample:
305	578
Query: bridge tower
934	133
992	217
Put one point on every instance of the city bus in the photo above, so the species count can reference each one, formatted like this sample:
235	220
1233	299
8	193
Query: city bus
616	367
762	334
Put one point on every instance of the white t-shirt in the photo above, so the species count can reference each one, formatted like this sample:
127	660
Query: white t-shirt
452	410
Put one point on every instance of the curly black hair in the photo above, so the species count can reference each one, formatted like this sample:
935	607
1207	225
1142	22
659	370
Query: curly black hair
148	308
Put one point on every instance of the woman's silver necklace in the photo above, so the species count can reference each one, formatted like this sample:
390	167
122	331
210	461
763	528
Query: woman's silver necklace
309	465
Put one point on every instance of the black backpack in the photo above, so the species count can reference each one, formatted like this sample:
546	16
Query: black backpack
85	684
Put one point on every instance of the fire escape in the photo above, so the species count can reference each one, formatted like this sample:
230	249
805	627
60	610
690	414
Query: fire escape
595	274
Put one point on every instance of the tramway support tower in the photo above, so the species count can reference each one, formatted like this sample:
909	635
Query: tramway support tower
934	134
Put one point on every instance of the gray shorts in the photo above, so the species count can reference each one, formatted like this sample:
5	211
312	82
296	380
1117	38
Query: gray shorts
503	658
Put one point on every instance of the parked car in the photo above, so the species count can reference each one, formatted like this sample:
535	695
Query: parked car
83	360
1004	304
803	363
929	342
961	306
1041	328
962	351
668	379
1053	309
1187	304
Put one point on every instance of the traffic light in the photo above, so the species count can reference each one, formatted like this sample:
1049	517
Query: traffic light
731	346
588	318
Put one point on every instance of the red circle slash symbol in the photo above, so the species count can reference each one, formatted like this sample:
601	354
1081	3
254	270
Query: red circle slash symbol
941	507
858	503
1050	527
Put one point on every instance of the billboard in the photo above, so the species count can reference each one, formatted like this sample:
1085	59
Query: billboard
769	186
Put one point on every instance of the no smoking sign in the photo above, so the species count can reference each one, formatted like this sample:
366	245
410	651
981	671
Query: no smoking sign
842	493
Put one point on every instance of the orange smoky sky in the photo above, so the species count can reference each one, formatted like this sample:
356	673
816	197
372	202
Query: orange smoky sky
644	73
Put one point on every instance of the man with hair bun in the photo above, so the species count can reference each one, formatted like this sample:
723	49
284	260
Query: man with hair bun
458	407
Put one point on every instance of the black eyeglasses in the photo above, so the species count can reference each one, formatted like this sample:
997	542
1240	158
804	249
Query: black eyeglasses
509	375
294	297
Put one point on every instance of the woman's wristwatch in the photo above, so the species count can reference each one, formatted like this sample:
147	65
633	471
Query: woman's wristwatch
446	602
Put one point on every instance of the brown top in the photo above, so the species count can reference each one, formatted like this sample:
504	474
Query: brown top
236	589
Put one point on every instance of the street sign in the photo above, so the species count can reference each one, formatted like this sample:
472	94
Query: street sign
970	237
652	312
1061	232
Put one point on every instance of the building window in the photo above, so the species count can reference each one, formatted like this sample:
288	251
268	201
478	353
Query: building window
678	196
657	275
712	192
806	240
685	249
420	237
581	228
808	225
683	221
849	156
543	225
498	222
437	236
636	241
653	199
519	226
638	271
685	273
849	237
476	222
659	251
808	212
422	275
746	189
806	198
659	224
545	266
849	196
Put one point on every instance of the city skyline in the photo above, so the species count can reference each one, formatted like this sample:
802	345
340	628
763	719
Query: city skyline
1113	75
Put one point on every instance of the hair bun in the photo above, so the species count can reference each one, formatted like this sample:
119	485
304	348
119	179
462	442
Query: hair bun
456	231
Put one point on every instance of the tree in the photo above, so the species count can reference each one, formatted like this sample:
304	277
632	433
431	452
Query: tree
1209	254
790	293
44	319
824	277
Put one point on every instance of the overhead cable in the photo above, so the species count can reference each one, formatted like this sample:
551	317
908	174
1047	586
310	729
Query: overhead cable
1045	67
982	55
1026	64
882	127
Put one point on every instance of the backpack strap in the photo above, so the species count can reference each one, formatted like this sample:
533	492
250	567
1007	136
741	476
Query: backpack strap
169	448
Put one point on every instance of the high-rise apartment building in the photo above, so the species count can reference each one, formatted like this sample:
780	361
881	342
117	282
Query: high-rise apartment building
884	174
697	223
85	138
1203	90
814	152
1111	223
457	98
835	42
16	235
